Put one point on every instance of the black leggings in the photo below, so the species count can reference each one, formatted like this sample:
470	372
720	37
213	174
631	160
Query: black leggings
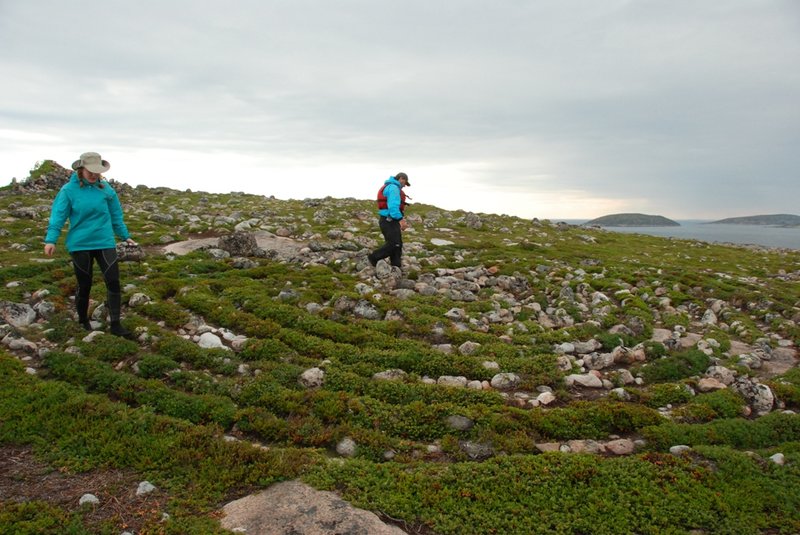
106	259
393	248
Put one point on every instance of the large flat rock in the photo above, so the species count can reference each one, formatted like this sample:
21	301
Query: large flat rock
291	508
265	240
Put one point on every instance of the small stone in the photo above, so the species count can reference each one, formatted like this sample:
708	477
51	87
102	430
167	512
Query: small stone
505	381
449	380
469	348
390	375
138	299
476	450
91	499
459	423
677	450
346	447
210	341
585	446
588	380
778	459
145	487
621	446
710	384
312	378
621	394
546	398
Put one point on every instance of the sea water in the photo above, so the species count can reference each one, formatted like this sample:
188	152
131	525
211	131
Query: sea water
705	231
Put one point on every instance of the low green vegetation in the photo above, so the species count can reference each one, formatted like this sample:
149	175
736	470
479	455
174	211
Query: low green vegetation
209	425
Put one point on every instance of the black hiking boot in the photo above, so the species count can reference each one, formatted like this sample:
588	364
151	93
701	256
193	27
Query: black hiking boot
85	324
118	330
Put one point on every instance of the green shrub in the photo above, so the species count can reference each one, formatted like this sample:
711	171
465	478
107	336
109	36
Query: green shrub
786	392
770	430
609	341
263	424
265	392
91	374
578	420
723	403
181	350
172	315
152	366
676	367
266	349
654	350
108	348
80	431
101	377
529	494
61	327
202	408
40	518
787	387
670	321
661	395
165	288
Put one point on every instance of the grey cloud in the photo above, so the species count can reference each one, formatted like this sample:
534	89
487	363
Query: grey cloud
679	102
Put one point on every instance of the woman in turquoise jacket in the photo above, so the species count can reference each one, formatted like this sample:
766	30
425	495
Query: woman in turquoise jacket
92	207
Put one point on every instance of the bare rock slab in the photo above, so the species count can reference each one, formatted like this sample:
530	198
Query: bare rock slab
292	507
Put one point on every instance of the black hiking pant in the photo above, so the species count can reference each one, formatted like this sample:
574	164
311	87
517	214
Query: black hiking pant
393	248
106	259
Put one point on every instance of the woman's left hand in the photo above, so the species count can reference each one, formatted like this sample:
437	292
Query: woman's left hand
130	241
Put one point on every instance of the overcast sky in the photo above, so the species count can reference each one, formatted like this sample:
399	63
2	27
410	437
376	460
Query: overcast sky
548	109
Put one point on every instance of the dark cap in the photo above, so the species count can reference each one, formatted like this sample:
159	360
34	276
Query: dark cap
398	176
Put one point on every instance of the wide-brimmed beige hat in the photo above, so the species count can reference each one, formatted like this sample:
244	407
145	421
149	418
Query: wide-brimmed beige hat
93	162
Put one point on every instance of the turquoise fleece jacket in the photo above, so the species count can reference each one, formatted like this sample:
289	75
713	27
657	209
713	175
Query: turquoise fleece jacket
392	200
94	214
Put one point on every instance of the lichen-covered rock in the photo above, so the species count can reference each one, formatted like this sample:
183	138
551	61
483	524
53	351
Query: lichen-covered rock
469	348
505	381
312	378
127	252
586	380
390	375
19	315
758	396
240	243
450	380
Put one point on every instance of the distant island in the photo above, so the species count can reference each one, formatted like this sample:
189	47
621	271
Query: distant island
775	220
632	220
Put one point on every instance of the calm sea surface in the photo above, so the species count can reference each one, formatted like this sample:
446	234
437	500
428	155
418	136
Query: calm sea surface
700	230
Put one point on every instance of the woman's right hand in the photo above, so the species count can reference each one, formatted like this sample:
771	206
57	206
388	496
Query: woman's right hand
49	249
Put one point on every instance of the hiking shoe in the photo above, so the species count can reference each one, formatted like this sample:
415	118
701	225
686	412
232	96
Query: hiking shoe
86	325
118	330
372	262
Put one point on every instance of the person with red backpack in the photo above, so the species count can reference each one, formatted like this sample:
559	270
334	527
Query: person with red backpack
391	209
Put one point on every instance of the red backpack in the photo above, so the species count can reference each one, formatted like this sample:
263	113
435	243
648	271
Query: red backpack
382	202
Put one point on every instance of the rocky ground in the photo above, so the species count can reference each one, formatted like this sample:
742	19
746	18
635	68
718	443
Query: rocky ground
493	295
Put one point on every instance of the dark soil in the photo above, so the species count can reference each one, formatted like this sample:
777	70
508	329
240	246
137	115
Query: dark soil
24	478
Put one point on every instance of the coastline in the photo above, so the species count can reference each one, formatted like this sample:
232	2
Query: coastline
718	233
